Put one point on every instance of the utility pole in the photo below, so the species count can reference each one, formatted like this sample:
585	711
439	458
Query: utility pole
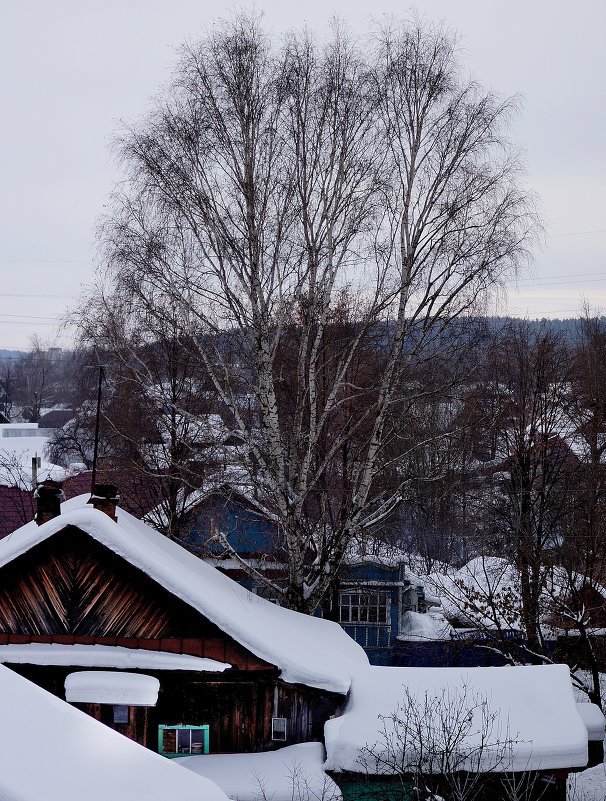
94	475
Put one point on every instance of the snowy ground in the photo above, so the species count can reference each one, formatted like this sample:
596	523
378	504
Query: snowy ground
78	758
295	774
590	785
290	774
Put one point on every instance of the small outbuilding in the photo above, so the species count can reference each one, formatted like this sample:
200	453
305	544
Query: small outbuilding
437	728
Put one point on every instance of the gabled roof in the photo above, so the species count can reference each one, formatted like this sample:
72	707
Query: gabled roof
308	650
55	418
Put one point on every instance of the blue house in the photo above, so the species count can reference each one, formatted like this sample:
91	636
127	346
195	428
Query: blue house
246	529
374	592
373	598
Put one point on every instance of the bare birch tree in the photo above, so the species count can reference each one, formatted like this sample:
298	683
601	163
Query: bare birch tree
315	218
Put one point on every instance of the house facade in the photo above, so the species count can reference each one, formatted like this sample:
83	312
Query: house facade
374	591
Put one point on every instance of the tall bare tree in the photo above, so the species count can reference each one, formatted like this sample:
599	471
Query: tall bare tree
534	371
300	213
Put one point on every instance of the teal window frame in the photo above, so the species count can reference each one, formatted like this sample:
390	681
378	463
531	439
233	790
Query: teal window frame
180	727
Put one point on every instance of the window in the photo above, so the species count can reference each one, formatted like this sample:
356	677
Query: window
121	713
176	741
364	607
279	729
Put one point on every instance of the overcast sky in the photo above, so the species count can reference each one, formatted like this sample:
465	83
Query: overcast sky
72	70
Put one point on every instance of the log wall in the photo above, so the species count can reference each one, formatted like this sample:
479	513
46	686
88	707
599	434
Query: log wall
237	706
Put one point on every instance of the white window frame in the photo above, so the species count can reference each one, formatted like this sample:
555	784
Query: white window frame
283	735
363	609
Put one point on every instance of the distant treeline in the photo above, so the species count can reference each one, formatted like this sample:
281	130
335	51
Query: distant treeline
568	327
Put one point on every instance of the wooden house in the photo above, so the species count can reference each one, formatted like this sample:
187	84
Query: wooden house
99	609
89	588
374	591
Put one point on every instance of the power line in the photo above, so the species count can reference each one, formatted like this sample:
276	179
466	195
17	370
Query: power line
564	283
580	233
24	316
45	261
29	322
564	275
43	297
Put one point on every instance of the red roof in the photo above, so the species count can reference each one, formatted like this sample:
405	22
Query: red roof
16	509
138	495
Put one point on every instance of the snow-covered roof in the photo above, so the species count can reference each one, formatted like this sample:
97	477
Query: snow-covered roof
424	627
105	656
527	717
593	718
485	592
227	482
53	751
308	650
111	687
374	552
464	592
19	443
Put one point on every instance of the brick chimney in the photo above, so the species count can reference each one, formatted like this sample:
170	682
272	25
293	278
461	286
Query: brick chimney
105	498
48	496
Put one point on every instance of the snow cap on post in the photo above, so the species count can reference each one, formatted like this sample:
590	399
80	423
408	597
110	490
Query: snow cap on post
105	498
48	496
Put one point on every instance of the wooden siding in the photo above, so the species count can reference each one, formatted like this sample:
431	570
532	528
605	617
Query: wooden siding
237	706
239	712
136	728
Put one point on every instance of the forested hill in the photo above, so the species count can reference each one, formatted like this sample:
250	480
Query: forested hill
569	327
8	354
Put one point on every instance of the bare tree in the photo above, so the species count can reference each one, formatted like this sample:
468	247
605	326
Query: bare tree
582	554
7	388
270	184
39	379
450	746
537	580
532	498
157	432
